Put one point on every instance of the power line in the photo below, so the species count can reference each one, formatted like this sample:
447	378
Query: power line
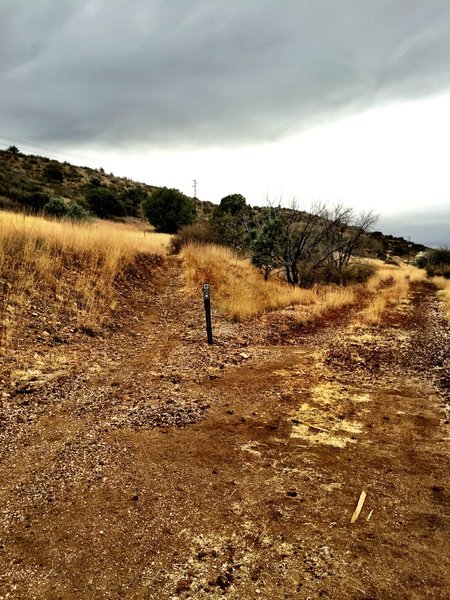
46	148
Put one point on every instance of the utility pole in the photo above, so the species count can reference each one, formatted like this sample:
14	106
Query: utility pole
195	189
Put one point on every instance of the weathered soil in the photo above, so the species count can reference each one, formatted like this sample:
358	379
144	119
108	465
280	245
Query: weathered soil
145	464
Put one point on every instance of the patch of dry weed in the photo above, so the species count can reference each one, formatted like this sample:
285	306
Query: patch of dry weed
388	288
237	286
241	292
443	286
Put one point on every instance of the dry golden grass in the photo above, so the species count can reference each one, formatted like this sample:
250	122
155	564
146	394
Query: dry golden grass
443	285
388	288
72	267
239	289
322	299
241	292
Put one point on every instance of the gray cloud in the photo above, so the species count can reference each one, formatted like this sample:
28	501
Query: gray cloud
429	226
196	72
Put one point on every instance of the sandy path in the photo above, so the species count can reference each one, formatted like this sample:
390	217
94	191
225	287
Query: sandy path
163	468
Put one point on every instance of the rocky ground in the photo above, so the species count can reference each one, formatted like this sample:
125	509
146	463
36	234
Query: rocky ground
145	464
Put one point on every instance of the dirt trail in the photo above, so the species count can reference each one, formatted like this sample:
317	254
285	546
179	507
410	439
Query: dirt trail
163	468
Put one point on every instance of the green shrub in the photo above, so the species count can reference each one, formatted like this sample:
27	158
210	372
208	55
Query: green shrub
53	172
436	262
104	203
421	261
197	233
76	212
132	199
357	273
55	207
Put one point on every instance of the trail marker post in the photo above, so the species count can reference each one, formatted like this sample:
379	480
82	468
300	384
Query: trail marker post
207	302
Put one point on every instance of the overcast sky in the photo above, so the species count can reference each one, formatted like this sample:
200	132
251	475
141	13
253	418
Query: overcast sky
338	100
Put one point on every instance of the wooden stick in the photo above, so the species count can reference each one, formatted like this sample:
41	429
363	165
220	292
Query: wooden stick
297	422
359	506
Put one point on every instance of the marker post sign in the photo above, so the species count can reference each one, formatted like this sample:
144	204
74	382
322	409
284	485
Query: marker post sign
207	301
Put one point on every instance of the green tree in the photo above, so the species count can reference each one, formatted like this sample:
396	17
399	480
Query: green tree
104	203
132	199
168	209
269	242
13	150
310	246
232	221
233	204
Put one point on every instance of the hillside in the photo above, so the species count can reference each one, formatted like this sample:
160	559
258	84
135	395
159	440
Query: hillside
27	181
23	177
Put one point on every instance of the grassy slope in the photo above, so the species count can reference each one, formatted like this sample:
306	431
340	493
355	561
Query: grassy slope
24	174
71	268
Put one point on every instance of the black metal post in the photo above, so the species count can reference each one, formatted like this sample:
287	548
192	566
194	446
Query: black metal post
207	301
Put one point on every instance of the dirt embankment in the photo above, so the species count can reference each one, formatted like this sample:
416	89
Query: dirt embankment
153	466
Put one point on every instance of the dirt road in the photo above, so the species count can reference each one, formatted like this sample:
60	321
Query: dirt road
159	467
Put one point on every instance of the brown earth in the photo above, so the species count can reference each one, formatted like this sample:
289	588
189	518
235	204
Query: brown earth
145	464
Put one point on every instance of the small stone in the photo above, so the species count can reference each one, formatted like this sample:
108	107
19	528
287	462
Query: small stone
292	493
183	585
135	498
223	581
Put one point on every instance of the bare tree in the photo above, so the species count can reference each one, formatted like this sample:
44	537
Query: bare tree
342	235
309	246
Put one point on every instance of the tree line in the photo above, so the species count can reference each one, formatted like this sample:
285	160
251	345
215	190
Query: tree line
305	247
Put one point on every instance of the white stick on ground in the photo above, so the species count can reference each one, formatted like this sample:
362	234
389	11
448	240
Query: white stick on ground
359	506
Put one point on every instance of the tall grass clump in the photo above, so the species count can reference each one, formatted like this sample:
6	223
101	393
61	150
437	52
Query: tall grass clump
239	289
443	285
69	268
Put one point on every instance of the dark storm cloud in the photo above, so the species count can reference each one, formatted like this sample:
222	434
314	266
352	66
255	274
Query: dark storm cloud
200	71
